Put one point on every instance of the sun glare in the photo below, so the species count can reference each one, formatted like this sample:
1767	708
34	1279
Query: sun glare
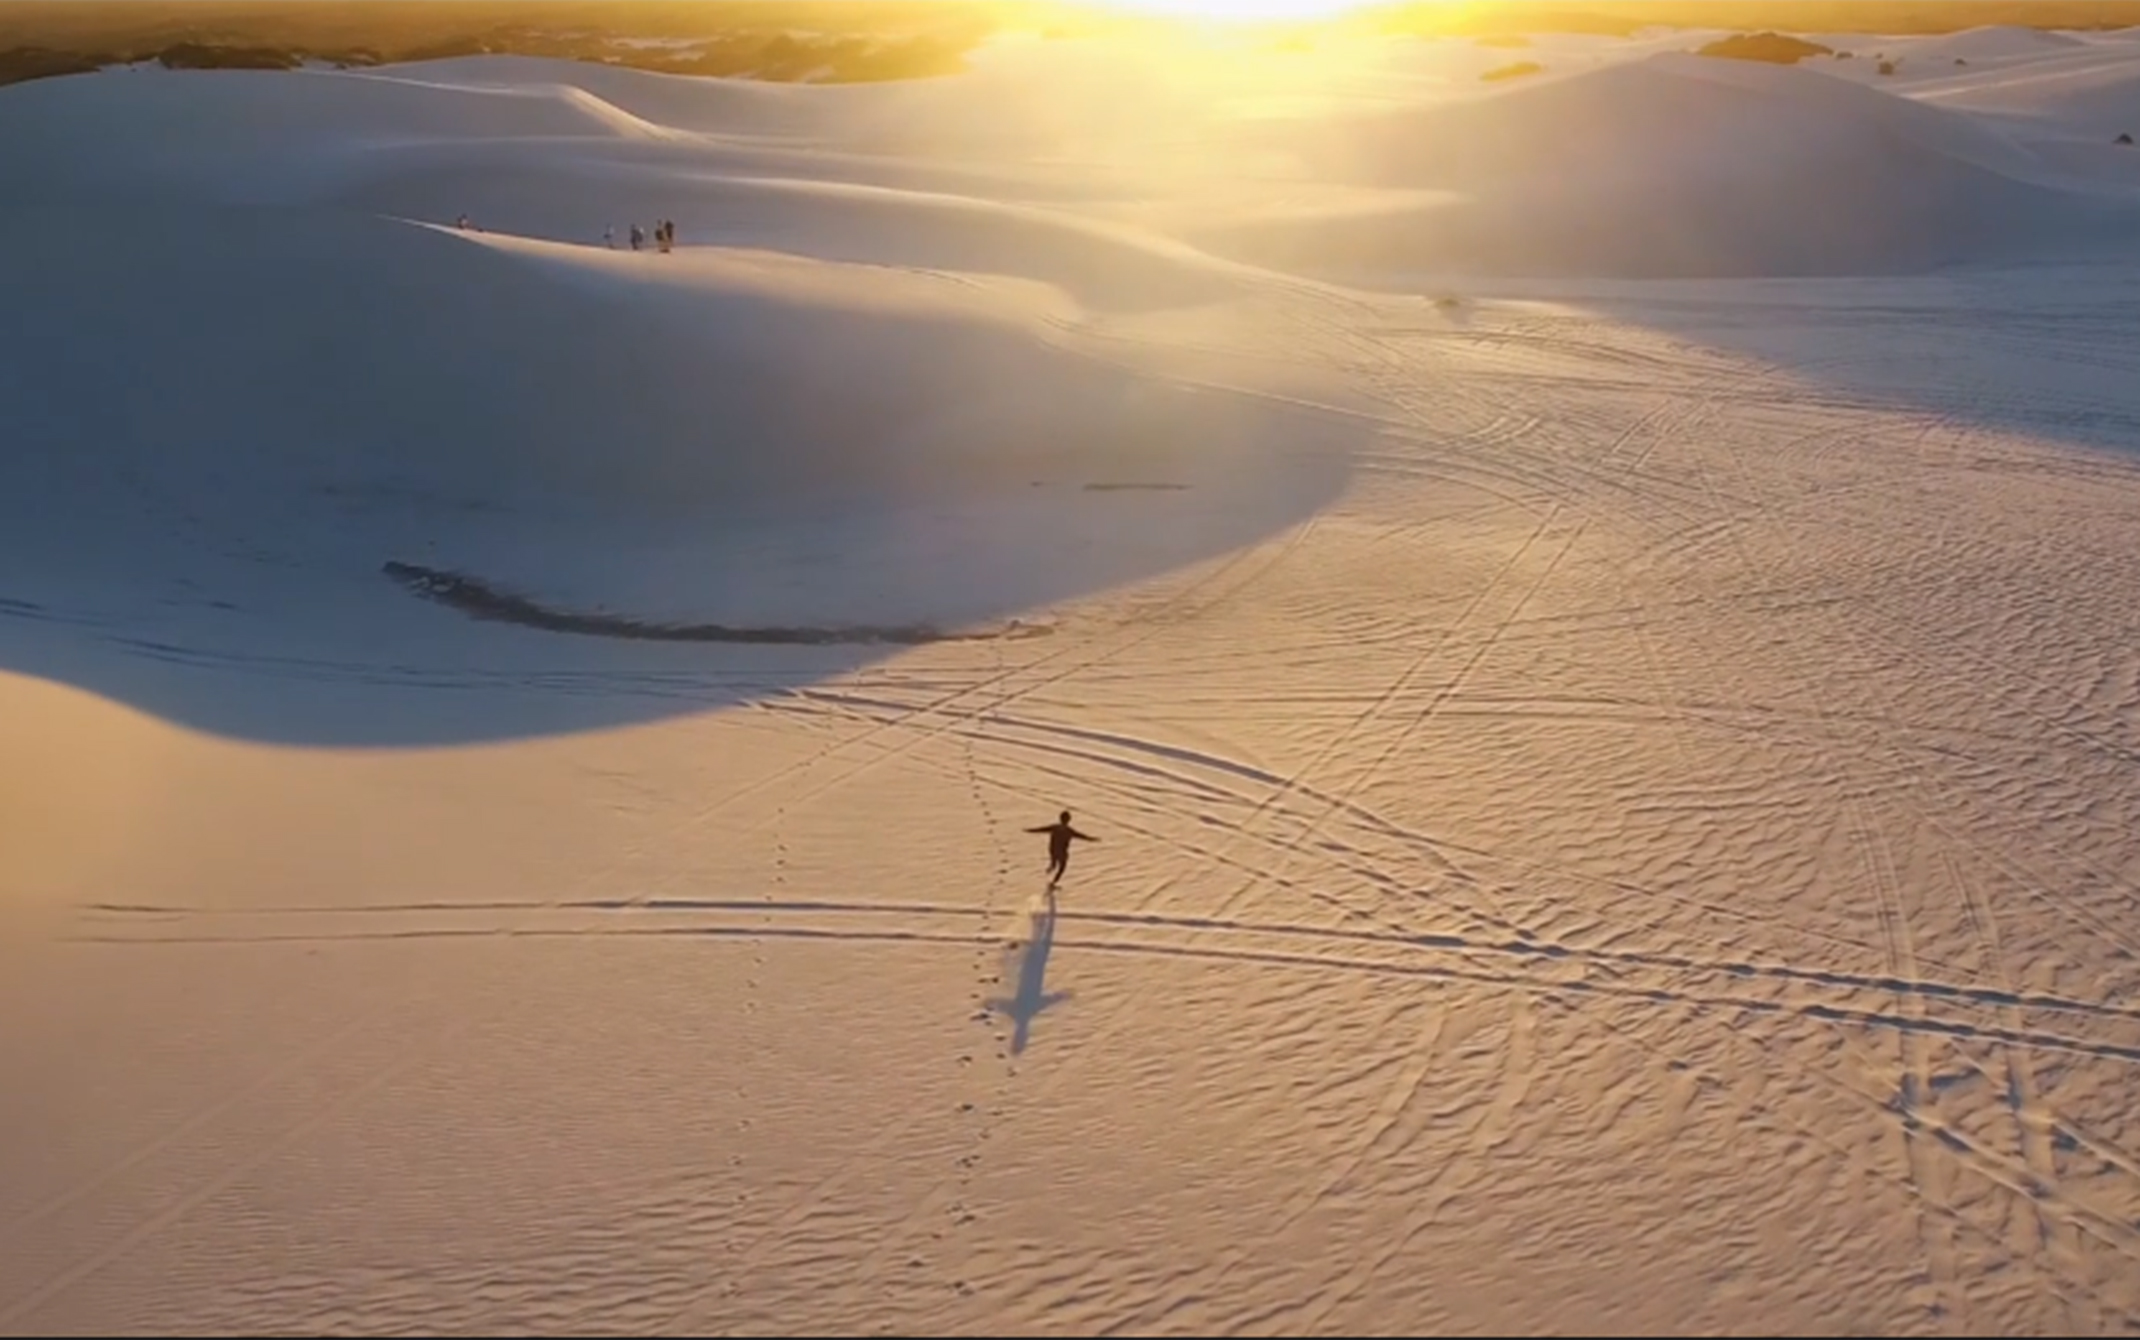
1240	11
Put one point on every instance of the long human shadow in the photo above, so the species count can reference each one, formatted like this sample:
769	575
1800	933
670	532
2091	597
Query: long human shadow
1030	996
365	484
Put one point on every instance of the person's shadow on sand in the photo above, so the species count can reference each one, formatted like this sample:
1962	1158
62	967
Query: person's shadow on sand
1031	995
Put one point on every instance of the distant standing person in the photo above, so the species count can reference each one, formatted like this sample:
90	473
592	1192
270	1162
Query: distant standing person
1059	834
638	237
609	238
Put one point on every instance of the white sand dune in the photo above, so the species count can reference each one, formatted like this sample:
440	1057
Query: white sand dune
536	157
1679	166
1918	57
2067	103
901	448
2093	89
1995	42
1615	773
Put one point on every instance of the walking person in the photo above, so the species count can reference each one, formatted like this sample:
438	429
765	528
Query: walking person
1059	835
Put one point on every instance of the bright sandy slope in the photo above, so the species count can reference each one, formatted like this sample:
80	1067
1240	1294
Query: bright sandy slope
1592	616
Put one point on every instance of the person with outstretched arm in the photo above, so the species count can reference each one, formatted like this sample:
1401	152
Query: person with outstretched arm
1059	834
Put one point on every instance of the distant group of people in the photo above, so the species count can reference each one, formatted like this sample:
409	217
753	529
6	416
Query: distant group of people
663	236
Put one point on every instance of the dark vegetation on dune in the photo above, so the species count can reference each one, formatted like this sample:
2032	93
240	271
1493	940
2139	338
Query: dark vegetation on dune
480	600
844	41
1774	48
201	56
1516	71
